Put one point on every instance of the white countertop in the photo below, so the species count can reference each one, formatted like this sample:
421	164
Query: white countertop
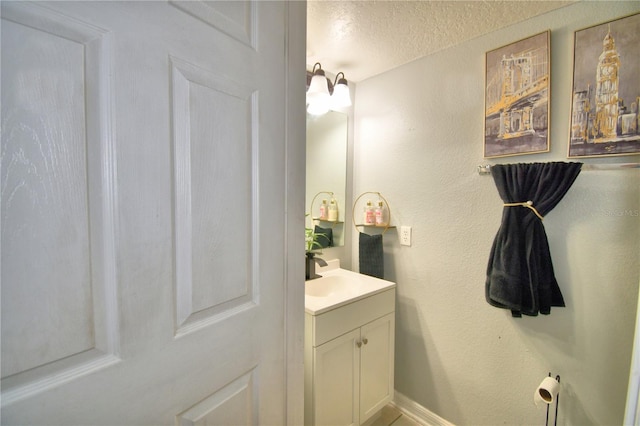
338	287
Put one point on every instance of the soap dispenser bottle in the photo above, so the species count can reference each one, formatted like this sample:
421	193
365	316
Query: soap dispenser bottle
369	214
333	211
324	210
380	214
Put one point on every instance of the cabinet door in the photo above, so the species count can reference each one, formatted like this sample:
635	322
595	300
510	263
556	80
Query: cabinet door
337	378
376	365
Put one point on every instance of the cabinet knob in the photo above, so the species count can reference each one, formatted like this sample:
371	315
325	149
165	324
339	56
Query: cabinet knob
365	341
358	343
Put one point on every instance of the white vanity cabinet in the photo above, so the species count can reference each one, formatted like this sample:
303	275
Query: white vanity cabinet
349	356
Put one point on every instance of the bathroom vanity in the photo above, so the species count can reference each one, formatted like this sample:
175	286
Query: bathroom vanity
349	347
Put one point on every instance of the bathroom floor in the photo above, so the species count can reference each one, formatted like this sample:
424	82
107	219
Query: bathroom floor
393	416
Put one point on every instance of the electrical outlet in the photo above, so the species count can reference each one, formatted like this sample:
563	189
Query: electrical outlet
405	235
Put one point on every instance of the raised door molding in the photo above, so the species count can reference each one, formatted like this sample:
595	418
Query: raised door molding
234	18
221	407
215	286
59	290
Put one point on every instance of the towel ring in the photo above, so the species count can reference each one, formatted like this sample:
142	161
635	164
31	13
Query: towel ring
353	211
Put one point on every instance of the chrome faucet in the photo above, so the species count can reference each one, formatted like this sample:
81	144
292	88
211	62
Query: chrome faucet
310	266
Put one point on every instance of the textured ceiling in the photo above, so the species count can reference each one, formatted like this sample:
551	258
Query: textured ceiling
366	38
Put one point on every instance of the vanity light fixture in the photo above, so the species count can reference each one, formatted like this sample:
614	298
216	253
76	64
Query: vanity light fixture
322	95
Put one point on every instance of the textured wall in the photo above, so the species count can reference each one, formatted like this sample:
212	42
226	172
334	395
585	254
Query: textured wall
418	140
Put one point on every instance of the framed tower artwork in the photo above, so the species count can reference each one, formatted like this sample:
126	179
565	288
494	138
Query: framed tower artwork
606	89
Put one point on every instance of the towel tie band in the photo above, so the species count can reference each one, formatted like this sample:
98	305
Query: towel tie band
528	204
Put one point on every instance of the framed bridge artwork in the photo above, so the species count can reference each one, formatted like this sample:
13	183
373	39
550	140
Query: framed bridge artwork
606	89
516	103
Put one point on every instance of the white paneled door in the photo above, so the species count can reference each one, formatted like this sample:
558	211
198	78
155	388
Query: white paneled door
143	213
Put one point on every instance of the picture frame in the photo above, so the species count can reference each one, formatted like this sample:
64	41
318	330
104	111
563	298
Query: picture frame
517	97
605	94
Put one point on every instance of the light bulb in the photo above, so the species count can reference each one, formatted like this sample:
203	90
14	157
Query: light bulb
318	107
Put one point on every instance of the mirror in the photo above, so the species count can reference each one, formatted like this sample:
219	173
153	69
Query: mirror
327	169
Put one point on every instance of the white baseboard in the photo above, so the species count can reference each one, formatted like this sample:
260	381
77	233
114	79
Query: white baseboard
418	412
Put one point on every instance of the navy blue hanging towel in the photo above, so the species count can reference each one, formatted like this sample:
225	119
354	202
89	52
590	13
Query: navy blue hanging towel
520	274
371	255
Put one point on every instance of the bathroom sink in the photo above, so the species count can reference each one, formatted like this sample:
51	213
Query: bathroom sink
338	287
330	285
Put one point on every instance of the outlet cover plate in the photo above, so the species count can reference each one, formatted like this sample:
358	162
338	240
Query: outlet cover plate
405	235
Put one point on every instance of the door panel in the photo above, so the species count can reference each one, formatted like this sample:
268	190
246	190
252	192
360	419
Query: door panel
58	310
143	197
233	18
221	407
208	112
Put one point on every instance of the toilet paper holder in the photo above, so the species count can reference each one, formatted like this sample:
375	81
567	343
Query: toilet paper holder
550	396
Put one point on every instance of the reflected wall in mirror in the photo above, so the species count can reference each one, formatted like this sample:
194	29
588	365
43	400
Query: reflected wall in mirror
327	169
